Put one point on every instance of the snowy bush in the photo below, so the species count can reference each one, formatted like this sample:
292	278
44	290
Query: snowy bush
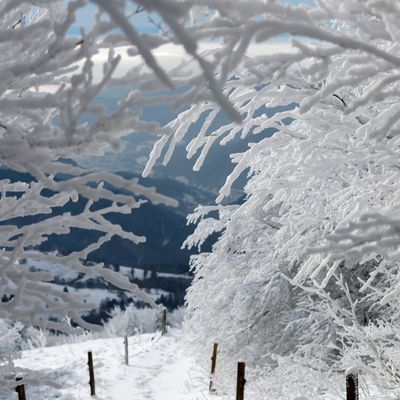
10	339
176	318
133	320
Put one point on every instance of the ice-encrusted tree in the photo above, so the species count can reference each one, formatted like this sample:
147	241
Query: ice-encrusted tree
50	111
50	82
308	264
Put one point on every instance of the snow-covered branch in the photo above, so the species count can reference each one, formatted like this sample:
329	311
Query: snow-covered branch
323	173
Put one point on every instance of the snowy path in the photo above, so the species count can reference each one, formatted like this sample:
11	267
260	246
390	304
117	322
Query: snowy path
160	369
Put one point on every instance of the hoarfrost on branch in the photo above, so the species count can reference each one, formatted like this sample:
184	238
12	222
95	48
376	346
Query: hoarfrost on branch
309	261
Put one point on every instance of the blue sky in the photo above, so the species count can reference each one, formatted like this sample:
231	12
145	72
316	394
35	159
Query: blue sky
85	17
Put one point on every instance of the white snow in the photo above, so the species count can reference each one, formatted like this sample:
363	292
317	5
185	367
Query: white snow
353	370
160	368
139	273
59	270
92	296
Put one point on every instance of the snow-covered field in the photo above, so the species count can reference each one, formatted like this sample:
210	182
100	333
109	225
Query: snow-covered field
160	368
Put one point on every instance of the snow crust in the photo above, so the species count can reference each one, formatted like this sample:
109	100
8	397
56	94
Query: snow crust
353	370
160	368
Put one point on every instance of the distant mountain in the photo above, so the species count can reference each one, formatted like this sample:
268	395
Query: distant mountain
164	227
188	194
137	147
164	264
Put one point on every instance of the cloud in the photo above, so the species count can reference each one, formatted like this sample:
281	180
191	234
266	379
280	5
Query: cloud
170	56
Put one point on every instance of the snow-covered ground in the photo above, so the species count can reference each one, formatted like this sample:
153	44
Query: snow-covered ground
95	296
63	272
163	368
160	368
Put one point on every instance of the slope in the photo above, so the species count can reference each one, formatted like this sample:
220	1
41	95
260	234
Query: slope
160	368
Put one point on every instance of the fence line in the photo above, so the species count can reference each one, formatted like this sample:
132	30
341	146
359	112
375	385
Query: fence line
352	381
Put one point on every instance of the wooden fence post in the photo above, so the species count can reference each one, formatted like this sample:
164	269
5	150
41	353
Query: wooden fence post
241	381
20	389
126	351
91	374
213	366
352	384
164	322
